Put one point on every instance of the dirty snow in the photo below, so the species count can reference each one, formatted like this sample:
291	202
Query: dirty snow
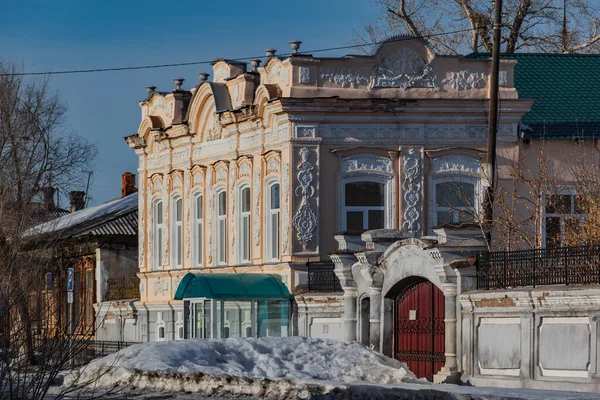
276	368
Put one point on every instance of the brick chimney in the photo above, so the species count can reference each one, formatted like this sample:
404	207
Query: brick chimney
128	184
49	199
77	200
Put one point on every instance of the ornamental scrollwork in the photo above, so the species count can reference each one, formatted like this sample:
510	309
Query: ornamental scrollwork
305	221
466	80
412	189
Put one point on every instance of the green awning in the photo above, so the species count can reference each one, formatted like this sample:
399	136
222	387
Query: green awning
232	287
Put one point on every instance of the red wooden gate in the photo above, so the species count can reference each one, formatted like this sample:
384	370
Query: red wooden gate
420	328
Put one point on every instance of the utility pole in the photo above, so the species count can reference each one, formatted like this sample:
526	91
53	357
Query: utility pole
493	115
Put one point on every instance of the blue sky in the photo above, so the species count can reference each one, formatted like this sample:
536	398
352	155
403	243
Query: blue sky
52	35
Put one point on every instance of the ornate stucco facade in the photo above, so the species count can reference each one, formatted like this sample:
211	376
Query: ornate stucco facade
402	120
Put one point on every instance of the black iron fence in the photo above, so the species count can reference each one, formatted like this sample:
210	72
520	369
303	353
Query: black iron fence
321	277
539	267
78	352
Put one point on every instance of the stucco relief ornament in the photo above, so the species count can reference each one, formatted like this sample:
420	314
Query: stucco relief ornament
285	169
404	69
232	172
304	75
199	178
160	104
214	132
245	169
273	166
305	221
465	80
367	162
161	286
177	183
343	77
221	174
412	188
221	73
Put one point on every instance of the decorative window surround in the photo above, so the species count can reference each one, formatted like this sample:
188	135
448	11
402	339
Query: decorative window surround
179	331
457	169
161	334
372	168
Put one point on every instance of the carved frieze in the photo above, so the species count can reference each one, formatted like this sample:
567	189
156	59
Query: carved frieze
466	80
161	286
304	75
456	163
344	77
411	185
305	220
367	162
273	165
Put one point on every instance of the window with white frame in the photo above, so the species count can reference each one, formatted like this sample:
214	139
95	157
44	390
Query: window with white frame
176	232
454	200
364	205
563	218
221	228
272	223
198	228
157	237
244	224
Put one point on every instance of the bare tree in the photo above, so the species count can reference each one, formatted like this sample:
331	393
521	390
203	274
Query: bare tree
464	26
36	151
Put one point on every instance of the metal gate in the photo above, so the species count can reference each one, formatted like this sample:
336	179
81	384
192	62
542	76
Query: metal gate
420	328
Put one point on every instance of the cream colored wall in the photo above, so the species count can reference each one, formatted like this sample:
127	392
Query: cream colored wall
268	134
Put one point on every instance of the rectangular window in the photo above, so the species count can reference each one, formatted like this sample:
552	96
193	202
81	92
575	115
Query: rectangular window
563	219
454	202
273	222
176	233
198	229
244	225
158	236
221	227
364	205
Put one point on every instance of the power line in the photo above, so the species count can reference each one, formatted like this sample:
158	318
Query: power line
138	67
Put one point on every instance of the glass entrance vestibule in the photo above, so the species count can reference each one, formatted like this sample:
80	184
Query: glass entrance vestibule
234	305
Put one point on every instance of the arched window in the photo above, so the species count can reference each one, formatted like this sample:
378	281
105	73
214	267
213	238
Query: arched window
244	224
455	190
198	229
272	222
176	232
157	237
221	228
364	205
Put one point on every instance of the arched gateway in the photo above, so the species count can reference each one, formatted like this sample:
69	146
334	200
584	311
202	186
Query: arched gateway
419	340
412	285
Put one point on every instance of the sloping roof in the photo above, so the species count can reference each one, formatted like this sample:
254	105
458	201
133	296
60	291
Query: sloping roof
239	286
116	217
566	90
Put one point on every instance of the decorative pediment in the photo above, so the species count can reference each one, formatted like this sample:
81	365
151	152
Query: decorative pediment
176	180
221	174
402	66
273	165
157	183
197	176
245	168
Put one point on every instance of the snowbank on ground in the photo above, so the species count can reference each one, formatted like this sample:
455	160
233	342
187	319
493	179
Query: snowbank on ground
204	365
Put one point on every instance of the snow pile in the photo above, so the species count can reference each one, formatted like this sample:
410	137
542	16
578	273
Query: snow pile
269	367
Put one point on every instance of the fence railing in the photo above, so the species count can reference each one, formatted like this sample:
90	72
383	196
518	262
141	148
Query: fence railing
322	278
539	267
79	351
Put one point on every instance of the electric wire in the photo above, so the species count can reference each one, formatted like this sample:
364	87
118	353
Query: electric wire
182	64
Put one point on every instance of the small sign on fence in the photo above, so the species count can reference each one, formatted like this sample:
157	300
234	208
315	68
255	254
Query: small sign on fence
70	274
70	297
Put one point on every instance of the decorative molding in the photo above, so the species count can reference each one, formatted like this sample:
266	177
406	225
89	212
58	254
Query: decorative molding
209	215
256	187
411	185
466	80
176	182
278	71
405	69
457	164
232	199
198	178
273	165
305	221
221	73
157	184
161	286
305	131
367	162
503	77
283	132
285	189
160	104
221	174
245	169
304	75
214	131
343	77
